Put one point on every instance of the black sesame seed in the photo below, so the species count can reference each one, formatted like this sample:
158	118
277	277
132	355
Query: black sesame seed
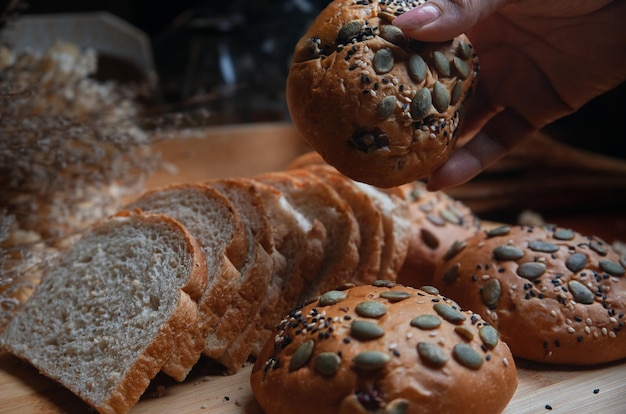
548	407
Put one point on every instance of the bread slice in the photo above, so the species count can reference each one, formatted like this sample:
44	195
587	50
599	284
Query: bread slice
397	225
109	316
299	244
368	216
392	204
256	273
318	201
215	223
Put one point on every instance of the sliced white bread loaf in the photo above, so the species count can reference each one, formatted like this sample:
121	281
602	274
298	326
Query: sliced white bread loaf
215	223
109	316
300	246
256	272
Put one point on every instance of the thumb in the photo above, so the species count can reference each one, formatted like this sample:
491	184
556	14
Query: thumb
441	20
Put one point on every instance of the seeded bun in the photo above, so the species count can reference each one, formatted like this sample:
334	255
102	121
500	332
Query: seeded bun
437	222
555	295
383	348
381	108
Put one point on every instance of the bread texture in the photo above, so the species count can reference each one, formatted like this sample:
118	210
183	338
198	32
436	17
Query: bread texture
256	273
437	222
380	107
555	295
383	348
107	319
214	222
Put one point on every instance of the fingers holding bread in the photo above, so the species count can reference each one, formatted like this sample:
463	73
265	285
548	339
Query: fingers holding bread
380	107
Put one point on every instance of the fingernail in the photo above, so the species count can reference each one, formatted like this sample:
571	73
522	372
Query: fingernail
418	17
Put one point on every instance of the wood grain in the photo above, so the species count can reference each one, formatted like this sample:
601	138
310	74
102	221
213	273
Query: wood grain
566	390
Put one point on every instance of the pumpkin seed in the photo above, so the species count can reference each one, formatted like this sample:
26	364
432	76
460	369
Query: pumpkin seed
507	253
452	273
597	247
464	50
371	360
441	97
576	262
491	292
302	355
395	295
426	322
348	31
421	103
417	68
327	363
489	335
370	309
442	65
332	297
467	356
436	220
541	246
397	406
384	283
455	248
392	34
448	313
456	92
464	332
622	260
383	61
612	268
365	330
499	231
563	234
430	289
581	293
385	108
450	216
429	238
461	67
431	353
531	270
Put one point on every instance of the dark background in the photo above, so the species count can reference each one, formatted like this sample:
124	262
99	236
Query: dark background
257	37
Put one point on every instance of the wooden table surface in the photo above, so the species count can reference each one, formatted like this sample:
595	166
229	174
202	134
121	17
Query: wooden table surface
227	152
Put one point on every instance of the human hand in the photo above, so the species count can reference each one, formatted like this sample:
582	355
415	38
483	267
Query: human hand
539	61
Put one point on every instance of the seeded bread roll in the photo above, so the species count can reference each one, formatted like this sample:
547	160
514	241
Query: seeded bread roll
437	222
383	348
555	295
381	108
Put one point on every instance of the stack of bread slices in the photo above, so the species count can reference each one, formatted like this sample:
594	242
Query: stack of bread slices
203	268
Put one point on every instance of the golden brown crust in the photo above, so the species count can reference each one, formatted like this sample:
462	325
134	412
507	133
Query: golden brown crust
567	308
334	377
381	108
437	222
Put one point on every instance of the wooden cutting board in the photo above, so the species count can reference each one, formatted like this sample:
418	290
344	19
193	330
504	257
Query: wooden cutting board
600	390
245	151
